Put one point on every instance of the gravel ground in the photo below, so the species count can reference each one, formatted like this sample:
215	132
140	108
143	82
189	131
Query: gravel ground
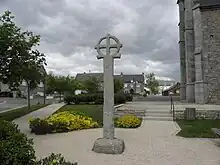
154	143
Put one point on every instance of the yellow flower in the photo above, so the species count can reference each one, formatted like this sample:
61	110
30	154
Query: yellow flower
128	121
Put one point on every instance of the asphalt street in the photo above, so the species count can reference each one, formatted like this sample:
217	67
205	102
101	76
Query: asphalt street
9	103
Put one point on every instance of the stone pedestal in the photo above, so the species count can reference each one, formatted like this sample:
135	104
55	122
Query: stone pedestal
109	146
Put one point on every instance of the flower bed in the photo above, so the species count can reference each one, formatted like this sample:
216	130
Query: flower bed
62	122
128	121
67	121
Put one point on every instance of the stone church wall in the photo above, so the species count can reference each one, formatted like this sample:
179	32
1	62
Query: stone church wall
211	52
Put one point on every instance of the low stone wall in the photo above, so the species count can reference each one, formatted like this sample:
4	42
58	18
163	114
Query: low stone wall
200	114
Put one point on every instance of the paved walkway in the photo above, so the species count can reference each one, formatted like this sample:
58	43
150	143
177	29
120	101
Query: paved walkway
154	143
43	112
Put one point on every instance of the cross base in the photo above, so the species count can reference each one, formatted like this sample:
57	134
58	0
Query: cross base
109	146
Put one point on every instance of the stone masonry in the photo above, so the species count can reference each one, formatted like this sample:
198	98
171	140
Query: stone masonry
199	45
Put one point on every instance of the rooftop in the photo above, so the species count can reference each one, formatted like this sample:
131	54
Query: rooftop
205	3
209	2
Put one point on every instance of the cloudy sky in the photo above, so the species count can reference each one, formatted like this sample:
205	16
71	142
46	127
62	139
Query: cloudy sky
70	29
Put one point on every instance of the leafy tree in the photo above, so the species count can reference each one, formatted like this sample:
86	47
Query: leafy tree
50	83
16	51
118	85
61	84
33	75
152	83
92	85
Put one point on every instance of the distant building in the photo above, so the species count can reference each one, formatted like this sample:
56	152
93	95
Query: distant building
174	89
133	82
165	84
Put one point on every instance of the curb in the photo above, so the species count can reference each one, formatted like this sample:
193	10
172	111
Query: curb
117	106
178	129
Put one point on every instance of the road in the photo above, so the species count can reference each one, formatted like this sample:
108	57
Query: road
9	103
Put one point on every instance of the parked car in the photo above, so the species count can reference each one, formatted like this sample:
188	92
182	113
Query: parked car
6	94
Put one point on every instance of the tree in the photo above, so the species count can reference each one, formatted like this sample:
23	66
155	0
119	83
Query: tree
61	84
118	85
92	85
152	83
50	83
16	50
33	75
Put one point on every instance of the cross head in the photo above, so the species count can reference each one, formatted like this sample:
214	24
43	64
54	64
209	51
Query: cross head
108	46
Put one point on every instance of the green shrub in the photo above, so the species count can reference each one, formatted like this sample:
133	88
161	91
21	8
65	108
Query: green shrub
62	122
99	101
97	98
15	147
40	126
129	97
120	98
83	98
128	121
54	159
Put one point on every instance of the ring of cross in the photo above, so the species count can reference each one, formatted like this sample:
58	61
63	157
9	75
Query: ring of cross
108	46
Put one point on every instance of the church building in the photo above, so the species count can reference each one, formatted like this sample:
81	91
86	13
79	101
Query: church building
199	45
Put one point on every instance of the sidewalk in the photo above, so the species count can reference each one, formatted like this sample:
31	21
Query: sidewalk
42	113
154	143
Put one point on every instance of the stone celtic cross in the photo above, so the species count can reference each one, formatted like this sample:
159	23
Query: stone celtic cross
108	144
108	128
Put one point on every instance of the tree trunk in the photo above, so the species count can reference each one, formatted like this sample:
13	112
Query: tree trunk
44	91
28	94
60	97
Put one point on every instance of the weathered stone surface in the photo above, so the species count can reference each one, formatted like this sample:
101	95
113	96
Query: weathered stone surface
190	114
123	112
109	146
202	47
211	49
200	114
182	51
108	64
189	48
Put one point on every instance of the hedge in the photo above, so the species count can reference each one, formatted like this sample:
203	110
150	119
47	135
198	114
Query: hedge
17	149
96	98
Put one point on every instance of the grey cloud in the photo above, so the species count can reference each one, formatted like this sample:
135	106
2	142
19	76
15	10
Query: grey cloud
147	28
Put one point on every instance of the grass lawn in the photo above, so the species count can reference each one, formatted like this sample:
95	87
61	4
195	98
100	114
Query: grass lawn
94	111
19	112
198	128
